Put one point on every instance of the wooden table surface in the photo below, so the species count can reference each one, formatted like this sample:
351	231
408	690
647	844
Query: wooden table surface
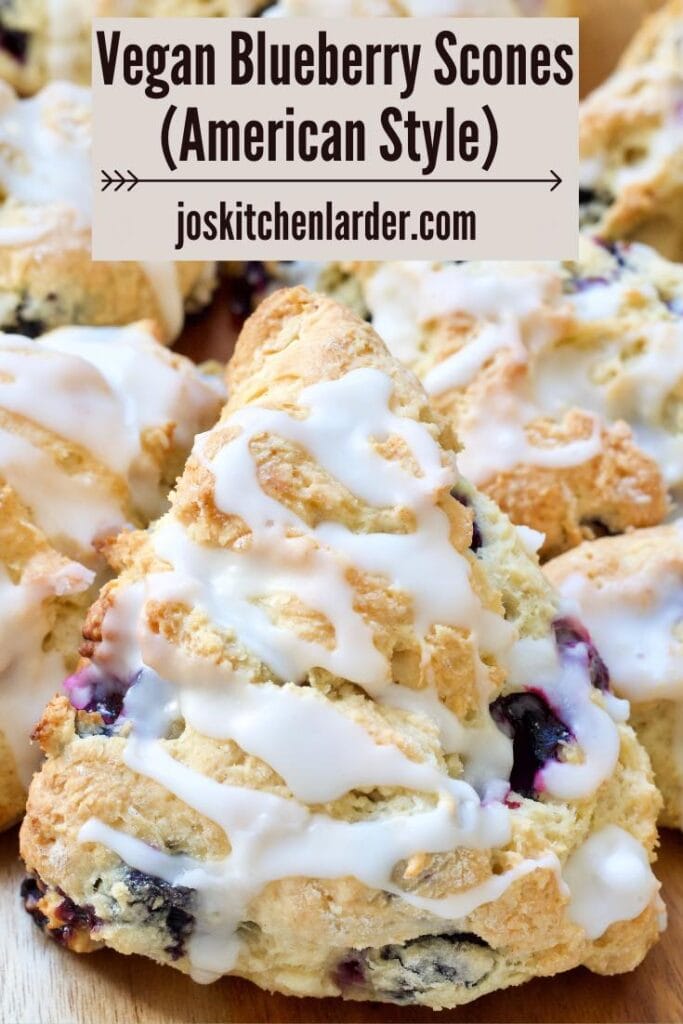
40	982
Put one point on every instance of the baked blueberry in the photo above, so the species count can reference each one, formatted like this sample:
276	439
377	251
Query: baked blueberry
249	288
477	541
403	972
537	736
14	42
569	634
166	904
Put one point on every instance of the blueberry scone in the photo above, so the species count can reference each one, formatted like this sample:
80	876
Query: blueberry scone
330	734
631	140
629	593
47	277
95	425
43	40
563	382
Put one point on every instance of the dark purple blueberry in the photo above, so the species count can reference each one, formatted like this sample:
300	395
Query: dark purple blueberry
537	736
675	305
14	42
75	918
246	289
477	541
570	634
94	691
403	972
31	894
166	904
30	328
617	250
586	196
584	284
350	972
597	528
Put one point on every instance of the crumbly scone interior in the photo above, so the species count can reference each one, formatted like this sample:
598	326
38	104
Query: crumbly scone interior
329	709
629	593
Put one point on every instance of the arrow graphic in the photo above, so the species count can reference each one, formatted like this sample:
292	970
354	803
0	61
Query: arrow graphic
118	180
129	180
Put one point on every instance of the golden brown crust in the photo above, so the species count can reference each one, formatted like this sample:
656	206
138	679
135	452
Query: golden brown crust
618	490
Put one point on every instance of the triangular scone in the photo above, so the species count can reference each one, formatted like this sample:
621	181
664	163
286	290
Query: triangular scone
95	425
631	141
629	593
331	740
47	275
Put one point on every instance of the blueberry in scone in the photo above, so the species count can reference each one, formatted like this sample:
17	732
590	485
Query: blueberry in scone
95	425
47	277
354	756
631	141
629	592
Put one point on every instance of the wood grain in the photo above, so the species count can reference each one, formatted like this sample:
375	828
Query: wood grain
41	983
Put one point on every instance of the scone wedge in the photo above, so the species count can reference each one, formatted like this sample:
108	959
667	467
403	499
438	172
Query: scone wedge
329	734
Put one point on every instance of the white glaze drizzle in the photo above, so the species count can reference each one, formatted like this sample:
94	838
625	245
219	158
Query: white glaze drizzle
565	683
654	91
30	676
460	369
496	440
45	148
90	386
636	622
318	749
512	312
634	389
609	879
343	417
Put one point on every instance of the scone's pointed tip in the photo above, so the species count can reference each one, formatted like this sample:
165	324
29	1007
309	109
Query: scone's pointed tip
282	319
